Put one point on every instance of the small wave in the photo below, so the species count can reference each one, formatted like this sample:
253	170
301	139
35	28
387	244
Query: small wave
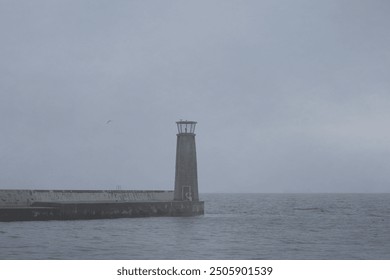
310	209
14	236
220	215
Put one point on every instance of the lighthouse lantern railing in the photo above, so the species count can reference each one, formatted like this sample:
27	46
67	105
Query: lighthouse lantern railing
186	126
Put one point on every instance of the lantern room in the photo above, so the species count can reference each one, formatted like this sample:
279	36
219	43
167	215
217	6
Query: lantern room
186	127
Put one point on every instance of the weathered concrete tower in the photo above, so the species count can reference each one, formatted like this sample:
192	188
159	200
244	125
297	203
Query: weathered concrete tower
186	178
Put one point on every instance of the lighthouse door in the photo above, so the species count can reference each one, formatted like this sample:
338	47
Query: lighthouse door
187	193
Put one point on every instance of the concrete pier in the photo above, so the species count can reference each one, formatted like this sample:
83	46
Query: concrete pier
41	205
106	210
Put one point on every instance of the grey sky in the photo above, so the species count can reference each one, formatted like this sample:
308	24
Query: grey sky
290	96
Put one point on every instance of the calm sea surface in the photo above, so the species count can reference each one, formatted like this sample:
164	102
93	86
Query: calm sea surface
235	226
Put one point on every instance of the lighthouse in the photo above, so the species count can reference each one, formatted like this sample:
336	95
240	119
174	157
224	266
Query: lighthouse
186	173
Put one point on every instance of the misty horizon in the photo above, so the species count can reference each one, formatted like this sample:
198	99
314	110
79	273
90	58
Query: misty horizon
290	97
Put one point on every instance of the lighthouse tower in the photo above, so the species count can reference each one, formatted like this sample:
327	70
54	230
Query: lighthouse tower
186	178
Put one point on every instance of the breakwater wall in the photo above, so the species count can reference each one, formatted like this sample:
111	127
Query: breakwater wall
25	198
43	205
40	211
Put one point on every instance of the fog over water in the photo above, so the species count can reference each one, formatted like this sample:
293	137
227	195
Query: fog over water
290	96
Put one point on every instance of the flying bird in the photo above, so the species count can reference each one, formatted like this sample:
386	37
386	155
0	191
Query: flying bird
109	121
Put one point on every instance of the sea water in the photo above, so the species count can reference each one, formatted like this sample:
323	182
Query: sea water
235	226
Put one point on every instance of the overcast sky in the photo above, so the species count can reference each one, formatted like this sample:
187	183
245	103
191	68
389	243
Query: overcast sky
290	96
